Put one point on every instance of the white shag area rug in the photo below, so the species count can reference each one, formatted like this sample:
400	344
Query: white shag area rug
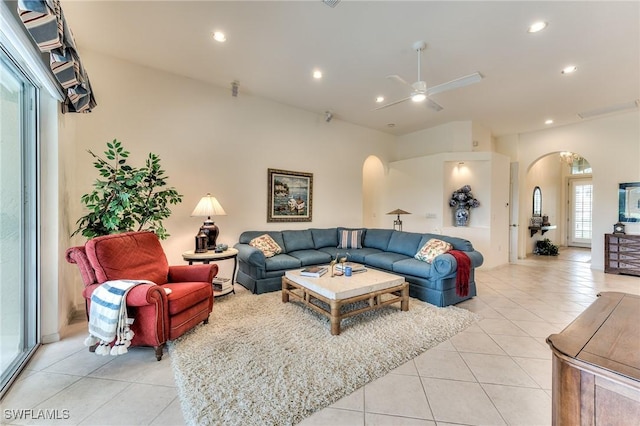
263	362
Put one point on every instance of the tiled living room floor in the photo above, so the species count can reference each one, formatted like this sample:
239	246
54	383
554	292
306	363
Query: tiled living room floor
496	372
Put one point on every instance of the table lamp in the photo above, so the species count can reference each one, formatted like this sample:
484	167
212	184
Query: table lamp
208	206
397	224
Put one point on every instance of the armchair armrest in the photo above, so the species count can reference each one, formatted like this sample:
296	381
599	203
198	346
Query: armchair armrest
184	273
145	294
78	255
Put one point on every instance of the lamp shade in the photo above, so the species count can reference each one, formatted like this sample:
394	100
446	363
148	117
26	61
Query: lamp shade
208	206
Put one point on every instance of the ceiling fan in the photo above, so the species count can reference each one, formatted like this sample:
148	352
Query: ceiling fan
419	90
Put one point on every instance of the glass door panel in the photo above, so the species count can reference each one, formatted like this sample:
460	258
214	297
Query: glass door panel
581	212
18	271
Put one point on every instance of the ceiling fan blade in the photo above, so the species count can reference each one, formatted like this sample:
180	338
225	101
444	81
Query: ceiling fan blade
434	105
455	84
392	103
399	79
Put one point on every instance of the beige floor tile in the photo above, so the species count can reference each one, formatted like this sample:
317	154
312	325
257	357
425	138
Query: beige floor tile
537	328
539	369
353	401
139	365
371	419
445	346
518	313
500	326
73	399
397	395
36	389
170	416
334	417
137	404
443	365
498	369
80	363
476	342
527	347
460	402
407	369
521	406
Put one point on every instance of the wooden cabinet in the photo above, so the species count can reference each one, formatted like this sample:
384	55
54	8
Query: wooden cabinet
596	364
622	254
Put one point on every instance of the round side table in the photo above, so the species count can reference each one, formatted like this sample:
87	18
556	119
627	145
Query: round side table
211	256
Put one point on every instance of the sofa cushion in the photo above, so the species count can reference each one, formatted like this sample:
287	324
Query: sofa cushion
416	268
353	255
384	260
297	240
406	243
281	261
186	295
350	238
377	238
266	245
130	255
324	237
432	248
311	257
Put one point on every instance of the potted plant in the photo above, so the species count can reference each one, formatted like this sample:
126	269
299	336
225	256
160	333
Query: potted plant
127	198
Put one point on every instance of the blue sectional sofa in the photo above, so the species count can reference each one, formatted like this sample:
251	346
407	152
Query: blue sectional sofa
383	249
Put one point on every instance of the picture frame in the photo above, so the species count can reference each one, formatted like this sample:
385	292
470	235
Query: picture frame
629	202
289	196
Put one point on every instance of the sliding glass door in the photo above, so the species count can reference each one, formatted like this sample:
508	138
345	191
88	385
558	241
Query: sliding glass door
18	219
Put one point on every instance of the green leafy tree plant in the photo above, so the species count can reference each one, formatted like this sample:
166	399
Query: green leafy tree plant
126	198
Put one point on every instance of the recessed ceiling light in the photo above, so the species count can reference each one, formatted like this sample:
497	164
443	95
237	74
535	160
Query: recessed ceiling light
317	74
380	99
570	69
549	121
219	36
537	26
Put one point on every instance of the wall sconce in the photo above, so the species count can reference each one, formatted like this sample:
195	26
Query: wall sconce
208	206
397	224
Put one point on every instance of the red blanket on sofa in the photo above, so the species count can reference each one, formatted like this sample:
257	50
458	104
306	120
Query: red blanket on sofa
462	275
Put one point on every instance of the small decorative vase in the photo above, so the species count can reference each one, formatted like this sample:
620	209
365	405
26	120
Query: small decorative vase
461	216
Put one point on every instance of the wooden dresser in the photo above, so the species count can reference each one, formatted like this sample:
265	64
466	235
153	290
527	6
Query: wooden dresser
596	364
622	254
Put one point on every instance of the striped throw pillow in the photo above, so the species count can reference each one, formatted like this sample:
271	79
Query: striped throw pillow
350	239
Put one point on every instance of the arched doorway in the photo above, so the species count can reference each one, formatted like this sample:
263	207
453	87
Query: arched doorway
565	180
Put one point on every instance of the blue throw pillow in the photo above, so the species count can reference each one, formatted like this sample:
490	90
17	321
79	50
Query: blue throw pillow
350	239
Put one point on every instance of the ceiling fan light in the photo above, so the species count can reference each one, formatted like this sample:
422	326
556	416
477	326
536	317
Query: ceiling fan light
537	26
418	97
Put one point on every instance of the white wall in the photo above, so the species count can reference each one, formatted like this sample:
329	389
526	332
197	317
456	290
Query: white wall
612	147
451	137
209	141
423	186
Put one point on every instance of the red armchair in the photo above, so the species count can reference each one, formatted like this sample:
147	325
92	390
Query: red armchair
158	316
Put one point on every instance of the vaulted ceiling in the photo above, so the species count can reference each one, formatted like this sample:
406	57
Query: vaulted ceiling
272	48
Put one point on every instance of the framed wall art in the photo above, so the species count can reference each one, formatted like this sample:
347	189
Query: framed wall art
629	202
290	196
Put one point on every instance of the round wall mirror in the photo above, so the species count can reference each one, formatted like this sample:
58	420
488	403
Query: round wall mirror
537	202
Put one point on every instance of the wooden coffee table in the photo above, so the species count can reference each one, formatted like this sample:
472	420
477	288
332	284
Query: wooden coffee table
339	291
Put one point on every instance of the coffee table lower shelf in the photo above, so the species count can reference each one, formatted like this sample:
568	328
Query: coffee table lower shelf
293	290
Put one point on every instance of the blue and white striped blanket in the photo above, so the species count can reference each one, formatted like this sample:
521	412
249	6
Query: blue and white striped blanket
108	317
